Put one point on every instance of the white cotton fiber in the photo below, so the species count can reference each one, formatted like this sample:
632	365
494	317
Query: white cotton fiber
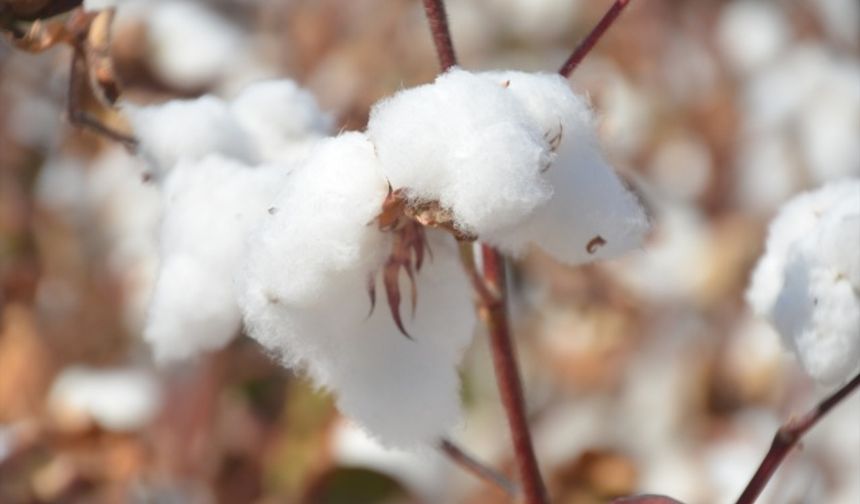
808	281
591	215
209	205
283	119
515	157
188	130
465	142
305	298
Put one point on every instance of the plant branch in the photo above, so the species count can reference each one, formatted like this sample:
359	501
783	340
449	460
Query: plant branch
788	436
77	115
588	43
438	19
495	317
478	469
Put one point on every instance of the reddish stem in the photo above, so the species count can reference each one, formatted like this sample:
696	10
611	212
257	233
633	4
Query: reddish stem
787	437
588	43
495	317
438	19
494	311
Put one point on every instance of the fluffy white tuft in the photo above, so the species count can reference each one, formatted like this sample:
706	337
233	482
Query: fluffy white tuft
465	142
208	208
188	130
305	298
591	215
515	157
808	281
283	119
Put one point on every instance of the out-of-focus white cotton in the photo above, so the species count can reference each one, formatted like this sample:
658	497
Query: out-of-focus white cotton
808	280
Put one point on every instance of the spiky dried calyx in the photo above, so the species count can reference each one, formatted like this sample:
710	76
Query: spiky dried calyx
406	219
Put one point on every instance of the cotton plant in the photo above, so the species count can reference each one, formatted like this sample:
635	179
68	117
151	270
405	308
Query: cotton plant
807	283
299	237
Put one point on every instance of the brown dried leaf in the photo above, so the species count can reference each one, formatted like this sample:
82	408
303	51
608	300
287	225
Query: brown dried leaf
42	36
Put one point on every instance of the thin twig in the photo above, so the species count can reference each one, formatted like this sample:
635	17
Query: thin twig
495	317
438	19
478	469
787	437
81	118
591	39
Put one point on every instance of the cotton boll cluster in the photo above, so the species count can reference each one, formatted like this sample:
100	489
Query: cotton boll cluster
514	157
305	298
298	249
808	280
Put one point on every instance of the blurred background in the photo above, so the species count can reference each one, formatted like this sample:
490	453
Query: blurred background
647	374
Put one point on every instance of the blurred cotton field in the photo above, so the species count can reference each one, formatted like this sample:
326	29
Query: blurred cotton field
151	348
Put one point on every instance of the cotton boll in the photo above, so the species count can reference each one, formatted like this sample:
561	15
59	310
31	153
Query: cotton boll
118	399
282	119
209	207
829	124
305	298
465	142
807	282
796	219
591	214
190	45
751	32
188	130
